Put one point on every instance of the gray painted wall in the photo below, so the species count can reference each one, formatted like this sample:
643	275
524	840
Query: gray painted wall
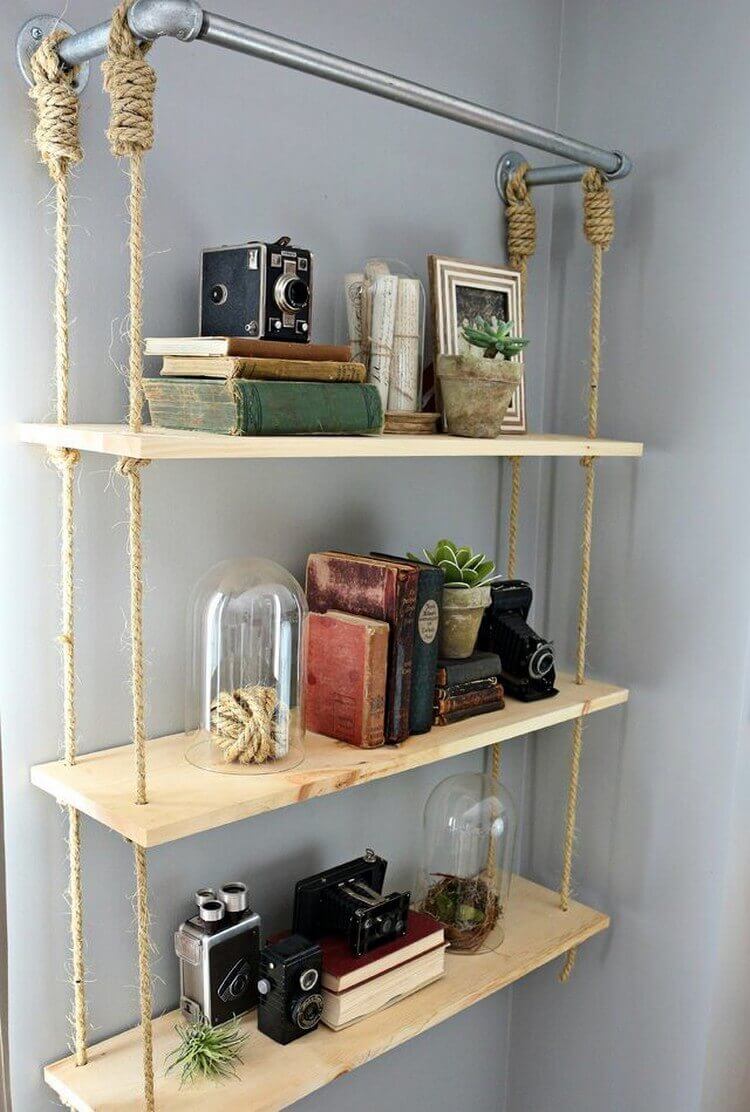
655	1019
243	149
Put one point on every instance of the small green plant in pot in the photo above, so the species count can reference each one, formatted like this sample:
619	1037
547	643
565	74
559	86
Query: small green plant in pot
466	595
477	385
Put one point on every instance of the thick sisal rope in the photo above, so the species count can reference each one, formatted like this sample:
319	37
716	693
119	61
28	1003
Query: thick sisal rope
599	229
130	82
244	724
520	222
58	143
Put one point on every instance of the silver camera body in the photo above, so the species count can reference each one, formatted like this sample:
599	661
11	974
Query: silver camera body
219	952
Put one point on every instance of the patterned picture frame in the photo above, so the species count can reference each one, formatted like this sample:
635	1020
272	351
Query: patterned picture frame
459	287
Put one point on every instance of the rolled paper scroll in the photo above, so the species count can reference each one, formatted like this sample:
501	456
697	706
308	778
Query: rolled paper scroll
403	385
353	294
382	294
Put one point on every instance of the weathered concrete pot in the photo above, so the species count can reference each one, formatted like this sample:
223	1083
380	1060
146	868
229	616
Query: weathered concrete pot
460	618
476	393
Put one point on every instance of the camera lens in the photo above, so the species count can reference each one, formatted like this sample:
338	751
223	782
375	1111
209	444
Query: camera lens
219	294
307	1012
234	896
386	924
308	979
291	293
541	662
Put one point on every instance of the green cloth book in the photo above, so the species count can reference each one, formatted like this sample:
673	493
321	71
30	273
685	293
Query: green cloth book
239	407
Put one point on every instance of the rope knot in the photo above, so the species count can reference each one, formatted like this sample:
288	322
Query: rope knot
521	218
598	210
130	82
64	459
129	466
245	724
56	108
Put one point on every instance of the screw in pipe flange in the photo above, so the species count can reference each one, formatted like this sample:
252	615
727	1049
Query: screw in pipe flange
507	164
29	38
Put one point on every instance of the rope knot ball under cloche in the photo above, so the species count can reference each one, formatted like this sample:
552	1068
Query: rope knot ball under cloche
56	108
244	724
521	217
130	82
598	210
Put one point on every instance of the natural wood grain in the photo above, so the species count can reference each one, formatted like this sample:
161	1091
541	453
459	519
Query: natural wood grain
185	800
272	1077
116	440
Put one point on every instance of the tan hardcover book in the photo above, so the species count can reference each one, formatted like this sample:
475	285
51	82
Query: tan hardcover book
234	366
245	347
340	1009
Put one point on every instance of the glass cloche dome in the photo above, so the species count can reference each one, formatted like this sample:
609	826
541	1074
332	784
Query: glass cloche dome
244	693
464	881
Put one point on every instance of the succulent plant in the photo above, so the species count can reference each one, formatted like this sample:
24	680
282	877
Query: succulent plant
463	568
494	336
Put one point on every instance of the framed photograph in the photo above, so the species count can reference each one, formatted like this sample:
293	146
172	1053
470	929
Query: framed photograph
459	291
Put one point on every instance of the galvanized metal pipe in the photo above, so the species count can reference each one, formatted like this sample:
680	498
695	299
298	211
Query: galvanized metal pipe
185	20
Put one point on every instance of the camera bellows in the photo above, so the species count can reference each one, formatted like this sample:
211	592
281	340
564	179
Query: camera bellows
246	724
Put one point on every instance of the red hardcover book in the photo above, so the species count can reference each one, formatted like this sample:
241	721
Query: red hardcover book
345	677
342	971
374	589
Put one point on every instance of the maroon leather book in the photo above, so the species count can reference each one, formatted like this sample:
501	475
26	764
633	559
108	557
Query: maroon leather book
375	589
346	673
491	696
342	970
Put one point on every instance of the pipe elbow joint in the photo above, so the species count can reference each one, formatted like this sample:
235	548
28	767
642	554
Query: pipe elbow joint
154	19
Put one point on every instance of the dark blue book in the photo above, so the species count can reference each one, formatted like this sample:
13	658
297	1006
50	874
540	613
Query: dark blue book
425	652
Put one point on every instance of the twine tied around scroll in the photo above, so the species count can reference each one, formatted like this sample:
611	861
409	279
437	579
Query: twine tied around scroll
244	724
599	229
130	82
57	140
520	224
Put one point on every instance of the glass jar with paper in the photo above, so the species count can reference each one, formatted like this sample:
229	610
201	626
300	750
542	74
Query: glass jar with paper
382	319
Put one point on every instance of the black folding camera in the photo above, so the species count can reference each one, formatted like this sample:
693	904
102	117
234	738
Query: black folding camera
259	290
528	664
290	1002
348	900
219	952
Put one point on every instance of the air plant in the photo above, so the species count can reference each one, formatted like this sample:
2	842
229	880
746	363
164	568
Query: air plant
494	337
463	568
207	1053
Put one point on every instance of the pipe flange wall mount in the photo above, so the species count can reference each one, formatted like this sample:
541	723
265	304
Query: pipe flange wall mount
29	38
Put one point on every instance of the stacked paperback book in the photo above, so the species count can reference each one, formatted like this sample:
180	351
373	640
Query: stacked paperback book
356	987
467	687
245	387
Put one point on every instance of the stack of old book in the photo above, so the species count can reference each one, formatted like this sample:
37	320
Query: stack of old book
354	988
371	646
246	387
467	687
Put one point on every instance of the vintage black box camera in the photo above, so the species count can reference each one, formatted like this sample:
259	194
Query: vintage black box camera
290	1002
259	290
348	900
219	952
528	664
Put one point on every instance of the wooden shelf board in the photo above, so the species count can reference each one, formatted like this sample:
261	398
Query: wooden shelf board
272	1077
116	440
185	800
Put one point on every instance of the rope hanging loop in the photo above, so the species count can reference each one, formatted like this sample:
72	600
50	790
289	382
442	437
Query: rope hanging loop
57	108
520	216
130	82
598	210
